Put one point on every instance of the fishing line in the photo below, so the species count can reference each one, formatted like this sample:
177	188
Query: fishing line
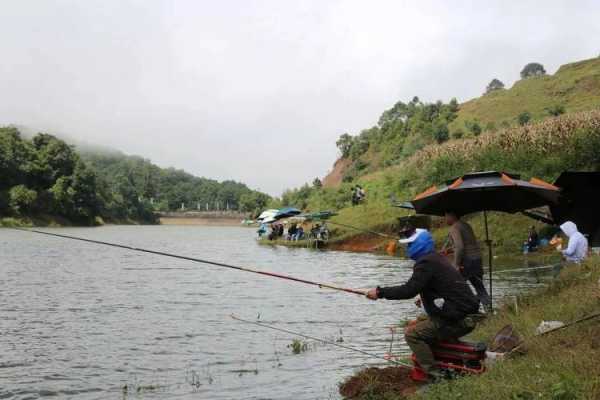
319	340
364	230
199	260
528	269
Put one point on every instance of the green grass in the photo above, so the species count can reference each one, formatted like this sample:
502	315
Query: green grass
575	86
558	366
561	365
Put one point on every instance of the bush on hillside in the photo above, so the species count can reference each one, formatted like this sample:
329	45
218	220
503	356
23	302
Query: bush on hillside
440	133
532	69
556	110
524	118
495	84
473	127
457	134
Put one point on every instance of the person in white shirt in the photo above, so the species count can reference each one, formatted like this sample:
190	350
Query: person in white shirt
577	248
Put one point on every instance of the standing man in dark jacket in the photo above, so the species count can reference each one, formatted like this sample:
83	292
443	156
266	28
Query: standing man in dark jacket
445	296
467	256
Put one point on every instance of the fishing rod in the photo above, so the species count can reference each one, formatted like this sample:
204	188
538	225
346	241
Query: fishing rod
199	260
558	328
364	230
263	325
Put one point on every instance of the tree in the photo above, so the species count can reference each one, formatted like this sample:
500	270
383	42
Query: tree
441	133
75	196
532	69
344	143
495	84
21	198
15	158
453	105
524	118
54	158
317	184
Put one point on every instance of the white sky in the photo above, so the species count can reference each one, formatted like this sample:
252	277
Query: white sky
259	91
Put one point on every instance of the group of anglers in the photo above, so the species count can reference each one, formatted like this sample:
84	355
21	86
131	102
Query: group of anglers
294	232
441	283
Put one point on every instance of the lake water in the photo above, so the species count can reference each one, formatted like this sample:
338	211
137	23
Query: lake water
83	321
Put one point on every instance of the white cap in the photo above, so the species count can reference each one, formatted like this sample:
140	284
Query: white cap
412	237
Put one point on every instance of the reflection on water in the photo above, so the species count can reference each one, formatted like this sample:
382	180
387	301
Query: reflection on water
89	322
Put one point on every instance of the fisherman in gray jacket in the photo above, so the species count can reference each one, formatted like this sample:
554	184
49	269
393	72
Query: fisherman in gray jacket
467	256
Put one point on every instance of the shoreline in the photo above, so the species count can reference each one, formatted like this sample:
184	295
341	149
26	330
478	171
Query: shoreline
51	221
198	221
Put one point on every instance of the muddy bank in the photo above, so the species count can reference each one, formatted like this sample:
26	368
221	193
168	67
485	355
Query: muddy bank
364	243
379	382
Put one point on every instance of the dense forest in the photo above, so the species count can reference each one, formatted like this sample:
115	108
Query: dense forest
46	176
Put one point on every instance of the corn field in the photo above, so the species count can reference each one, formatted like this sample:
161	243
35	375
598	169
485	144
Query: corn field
570	139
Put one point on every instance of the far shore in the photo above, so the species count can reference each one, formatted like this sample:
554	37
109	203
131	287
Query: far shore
200	221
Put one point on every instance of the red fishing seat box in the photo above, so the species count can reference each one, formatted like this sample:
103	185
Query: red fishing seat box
454	358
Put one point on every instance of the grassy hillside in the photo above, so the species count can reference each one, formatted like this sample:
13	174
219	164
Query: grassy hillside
406	128
400	156
543	149
574	86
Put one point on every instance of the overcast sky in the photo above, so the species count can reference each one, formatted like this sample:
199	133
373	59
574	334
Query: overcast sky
259	91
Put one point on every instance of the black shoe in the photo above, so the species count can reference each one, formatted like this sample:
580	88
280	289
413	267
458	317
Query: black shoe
435	375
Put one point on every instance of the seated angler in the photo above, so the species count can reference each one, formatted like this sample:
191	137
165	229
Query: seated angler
577	248
445	296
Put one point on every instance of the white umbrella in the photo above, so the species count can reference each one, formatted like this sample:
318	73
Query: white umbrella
267	214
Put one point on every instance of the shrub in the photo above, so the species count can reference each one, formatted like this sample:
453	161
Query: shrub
440	133
556	110
524	118
532	69
457	134
473	127
495	84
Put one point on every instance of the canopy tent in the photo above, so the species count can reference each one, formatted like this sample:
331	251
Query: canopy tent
486	191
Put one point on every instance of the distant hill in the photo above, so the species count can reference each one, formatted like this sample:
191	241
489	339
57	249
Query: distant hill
416	144
406	128
45	179
574	87
170	189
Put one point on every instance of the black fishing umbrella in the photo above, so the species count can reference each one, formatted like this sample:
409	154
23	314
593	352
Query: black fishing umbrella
580	192
486	191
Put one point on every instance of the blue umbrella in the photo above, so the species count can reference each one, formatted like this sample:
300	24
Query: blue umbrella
287	212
